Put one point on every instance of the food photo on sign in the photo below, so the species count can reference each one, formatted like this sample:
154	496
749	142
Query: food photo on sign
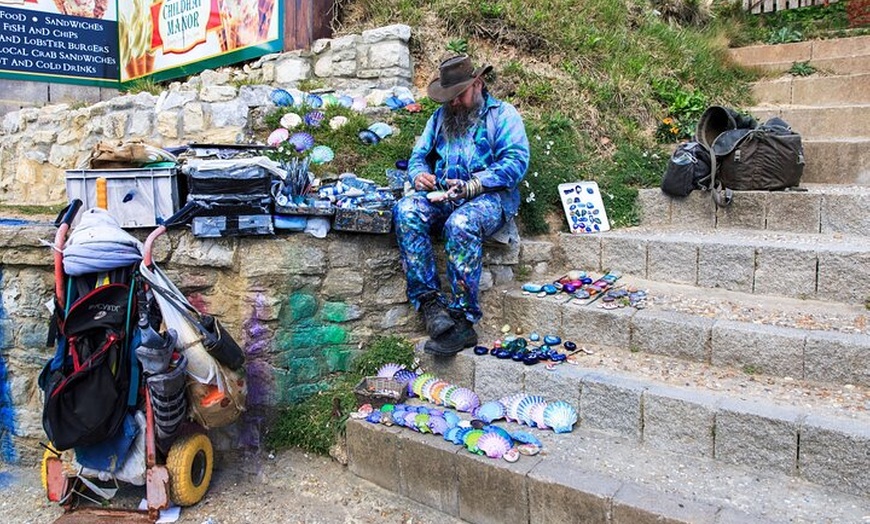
102	9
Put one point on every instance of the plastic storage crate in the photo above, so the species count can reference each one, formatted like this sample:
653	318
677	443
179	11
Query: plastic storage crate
136	197
378	391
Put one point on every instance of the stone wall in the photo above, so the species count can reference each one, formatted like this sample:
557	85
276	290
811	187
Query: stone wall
301	307
38	144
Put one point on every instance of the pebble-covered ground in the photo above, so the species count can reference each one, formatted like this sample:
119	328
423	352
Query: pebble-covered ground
290	487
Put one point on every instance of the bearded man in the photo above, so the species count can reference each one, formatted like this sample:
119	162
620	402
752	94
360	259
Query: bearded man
465	168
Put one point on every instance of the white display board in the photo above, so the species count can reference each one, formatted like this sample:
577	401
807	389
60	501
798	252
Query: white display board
583	207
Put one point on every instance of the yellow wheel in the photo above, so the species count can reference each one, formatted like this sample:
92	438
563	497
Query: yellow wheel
190	462
43	470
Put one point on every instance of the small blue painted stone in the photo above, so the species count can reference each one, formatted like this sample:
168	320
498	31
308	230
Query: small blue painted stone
531	359
520	342
581	294
570	346
481	350
549	289
503	354
532	288
518	356
534	336
569	288
586	280
493	351
558	357
552	340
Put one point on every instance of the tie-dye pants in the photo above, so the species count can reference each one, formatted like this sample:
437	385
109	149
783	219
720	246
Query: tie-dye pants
464	229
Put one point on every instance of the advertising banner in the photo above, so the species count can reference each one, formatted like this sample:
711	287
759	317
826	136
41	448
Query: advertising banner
169	38
69	41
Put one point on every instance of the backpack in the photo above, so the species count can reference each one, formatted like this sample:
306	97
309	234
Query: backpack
688	169
769	157
87	383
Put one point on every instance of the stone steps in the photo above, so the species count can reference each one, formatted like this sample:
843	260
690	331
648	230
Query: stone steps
821	121
711	332
839	56
834	268
826	209
837	161
814	90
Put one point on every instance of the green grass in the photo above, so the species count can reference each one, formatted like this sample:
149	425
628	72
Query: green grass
801	69
316	423
31	210
790	25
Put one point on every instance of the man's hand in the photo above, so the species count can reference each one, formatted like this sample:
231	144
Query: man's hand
424	182
456	189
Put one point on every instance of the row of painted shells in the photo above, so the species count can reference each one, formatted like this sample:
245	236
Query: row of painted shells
531	410
431	388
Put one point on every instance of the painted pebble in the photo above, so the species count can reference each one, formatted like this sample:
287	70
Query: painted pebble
552	340
532	288
512	455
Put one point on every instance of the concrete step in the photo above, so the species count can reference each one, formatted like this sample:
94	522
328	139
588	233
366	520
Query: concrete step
833	268
814	90
711	332
816	122
837	161
828	209
840	56
593	476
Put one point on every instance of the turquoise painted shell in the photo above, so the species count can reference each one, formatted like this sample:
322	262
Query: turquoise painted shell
490	411
321	155
281	98
560	416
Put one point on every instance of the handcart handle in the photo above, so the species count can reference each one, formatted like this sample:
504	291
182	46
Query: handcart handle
183	216
68	214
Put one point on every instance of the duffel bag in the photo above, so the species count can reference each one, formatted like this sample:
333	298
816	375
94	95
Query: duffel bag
769	157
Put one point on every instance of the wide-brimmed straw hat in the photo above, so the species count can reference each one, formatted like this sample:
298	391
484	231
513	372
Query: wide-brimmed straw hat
455	75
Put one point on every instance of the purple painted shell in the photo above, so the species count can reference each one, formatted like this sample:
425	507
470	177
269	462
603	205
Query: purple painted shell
560	416
536	413
523	408
281	98
314	118
277	136
301	141
493	444
490	411
464	400
389	370
359	103
497	429
437	425
411	420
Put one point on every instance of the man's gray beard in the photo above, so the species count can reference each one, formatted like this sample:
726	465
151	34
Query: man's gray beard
457	120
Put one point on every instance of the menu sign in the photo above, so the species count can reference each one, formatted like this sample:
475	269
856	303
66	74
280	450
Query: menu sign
73	41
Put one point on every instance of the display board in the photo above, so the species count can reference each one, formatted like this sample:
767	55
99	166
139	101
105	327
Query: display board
584	207
69	41
110	42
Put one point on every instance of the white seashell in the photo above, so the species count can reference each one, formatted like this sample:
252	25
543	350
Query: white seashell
560	416
290	120
337	122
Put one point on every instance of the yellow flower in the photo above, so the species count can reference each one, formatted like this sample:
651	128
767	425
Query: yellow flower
674	129
668	121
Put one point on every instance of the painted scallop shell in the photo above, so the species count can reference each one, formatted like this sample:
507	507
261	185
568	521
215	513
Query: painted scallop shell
301	141
359	103
501	431
560	416
490	411
345	101
429	393
368	137
398	416
471	439
314	118
451	418
427	387
418	383
337	122
421	421
437	425
536	414
459	436
281	98
435	392
404	376
411	420
314	101
493	445
450	434
524	407
464	400
508	402
374	417
446	393
290	120
321	155
514	407
277	136
389	370
329	99
383	130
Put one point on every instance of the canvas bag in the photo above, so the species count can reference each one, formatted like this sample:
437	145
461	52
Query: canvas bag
688	169
769	157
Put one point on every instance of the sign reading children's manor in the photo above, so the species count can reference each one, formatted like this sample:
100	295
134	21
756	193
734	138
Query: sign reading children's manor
110	42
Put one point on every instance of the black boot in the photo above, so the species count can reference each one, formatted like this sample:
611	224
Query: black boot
461	335
435	315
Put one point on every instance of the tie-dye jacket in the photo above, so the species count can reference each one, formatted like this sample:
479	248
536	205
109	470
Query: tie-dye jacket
500	166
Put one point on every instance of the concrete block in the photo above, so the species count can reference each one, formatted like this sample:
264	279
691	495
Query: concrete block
785	54
726	266
679	421
672	334
844	276
654	207
858	46
697	209
758	348
530	312
635	504
746	211
836	89
435	485
610	327
560	493
785	271
840	358
846	213
835	452
759	436
532	252
837	161
562	385
776	91
496	378
797	212
673	262
827	121
626	253
734	516
581	251
494	491
457	370
379	468
611	404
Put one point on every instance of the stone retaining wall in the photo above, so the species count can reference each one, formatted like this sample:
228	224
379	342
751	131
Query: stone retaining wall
301	307
226	106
